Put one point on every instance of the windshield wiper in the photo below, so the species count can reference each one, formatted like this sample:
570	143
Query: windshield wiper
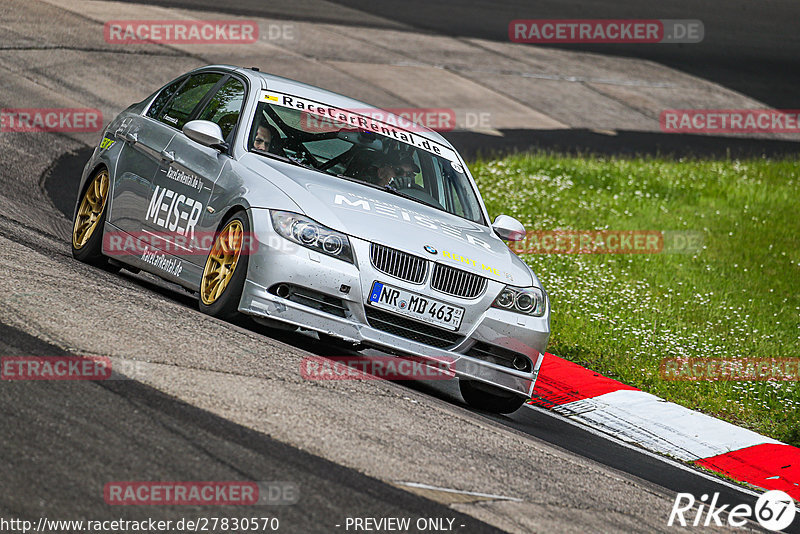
393	190
284	159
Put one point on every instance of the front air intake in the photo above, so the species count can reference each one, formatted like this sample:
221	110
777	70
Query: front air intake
457	283
398	264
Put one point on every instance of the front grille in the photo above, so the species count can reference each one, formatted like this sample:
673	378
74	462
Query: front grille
499	356
413	330
398	264
457	282
312	299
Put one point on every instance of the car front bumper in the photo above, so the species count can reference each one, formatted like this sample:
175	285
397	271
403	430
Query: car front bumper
275	261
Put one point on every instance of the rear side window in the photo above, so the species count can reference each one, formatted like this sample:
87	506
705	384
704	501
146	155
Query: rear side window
163	97
226	106
177	112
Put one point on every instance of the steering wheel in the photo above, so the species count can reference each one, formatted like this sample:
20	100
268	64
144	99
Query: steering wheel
298	148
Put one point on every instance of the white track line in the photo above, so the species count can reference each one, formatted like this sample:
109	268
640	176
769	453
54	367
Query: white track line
449	490
661	426
646	452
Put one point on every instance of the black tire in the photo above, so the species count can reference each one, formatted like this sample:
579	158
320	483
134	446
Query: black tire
488	398
91	250
226	304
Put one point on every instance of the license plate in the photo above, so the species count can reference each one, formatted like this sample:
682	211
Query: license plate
408	304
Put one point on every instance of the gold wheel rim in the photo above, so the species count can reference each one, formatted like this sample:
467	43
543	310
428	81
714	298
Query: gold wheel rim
221	262
90	210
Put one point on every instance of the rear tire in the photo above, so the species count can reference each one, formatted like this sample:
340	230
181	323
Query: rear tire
489	398
226	269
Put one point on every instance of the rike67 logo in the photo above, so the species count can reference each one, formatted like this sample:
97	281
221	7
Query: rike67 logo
774	510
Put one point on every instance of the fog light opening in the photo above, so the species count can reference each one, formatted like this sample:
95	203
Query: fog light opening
282	291
521	363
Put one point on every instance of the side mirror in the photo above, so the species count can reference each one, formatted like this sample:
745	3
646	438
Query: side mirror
206	133
508	228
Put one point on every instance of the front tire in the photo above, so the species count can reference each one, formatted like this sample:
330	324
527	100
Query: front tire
226	269
488	398
90	218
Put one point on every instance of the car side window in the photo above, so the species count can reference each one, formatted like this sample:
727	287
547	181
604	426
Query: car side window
180	108
163	97
225	107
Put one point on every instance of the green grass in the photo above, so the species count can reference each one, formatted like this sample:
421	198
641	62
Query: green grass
621	314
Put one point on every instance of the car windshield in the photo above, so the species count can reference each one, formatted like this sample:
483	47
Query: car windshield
360	147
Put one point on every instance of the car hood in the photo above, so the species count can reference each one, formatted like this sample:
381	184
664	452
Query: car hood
382	217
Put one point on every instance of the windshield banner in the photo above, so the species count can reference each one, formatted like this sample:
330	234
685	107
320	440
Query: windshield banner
362	121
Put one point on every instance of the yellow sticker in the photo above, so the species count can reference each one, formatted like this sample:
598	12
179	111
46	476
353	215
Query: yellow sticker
271	97
469	261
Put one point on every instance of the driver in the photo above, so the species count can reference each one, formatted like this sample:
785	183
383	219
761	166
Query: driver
268	139
402	171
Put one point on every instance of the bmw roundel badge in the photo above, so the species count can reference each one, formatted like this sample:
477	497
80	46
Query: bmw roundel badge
430	249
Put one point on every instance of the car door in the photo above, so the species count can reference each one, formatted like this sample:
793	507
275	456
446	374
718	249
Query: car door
170	207
189	174
143	140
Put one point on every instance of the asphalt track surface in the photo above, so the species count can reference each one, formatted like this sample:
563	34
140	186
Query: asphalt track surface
60	184
753	48
63	441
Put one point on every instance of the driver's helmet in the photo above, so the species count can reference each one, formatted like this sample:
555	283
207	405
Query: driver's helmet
276	142
275	145
404	170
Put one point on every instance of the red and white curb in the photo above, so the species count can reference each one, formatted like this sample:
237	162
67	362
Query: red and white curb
650	422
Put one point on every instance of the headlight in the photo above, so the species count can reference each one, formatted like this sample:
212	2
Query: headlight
528	300
310	234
